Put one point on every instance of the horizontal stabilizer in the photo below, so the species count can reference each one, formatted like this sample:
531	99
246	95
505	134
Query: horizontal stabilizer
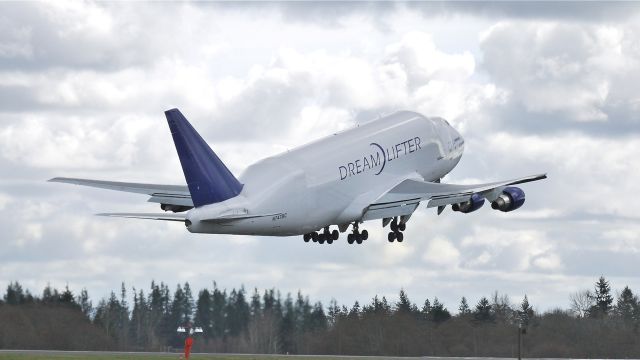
148	216
163	194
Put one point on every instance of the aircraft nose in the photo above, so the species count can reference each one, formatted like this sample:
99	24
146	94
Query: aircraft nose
454	133
457	139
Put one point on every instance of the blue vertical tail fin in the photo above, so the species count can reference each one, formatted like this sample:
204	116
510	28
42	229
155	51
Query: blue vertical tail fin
208	179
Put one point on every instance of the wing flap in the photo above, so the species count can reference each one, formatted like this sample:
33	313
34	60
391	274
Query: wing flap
173	200
390	211
448	200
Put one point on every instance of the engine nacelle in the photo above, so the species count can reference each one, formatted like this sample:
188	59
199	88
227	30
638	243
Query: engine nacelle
475	202
510	199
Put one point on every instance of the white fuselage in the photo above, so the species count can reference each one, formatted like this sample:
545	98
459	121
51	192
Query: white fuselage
322	183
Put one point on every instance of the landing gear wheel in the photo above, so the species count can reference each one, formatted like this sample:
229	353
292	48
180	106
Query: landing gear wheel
359	239
350	238
365	234
330	241
400	236
321	238
394	225
314	236
402	227
391	237
306	237
335	234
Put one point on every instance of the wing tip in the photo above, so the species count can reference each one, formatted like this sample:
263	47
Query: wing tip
61	179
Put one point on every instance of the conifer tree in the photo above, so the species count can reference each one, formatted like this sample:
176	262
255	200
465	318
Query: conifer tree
404	304
50	295
188	303
603	299
482	312
218	306
386	308
85	303
67	296
463	308
303	313
426	310
203	312
376	306
287	327
626	305
14	294
525	313
256	306
354	313
318	317
122	318
438	312
138	324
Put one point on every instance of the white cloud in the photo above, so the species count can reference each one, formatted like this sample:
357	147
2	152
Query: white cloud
441	252
510	250
567	69
4	201
587	174
83	87
624	239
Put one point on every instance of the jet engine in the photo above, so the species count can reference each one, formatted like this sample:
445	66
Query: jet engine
475	202
510	199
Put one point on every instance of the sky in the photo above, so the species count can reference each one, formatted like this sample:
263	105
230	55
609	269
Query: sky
532	87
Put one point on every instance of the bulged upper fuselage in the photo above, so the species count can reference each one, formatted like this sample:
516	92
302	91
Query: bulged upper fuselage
328	181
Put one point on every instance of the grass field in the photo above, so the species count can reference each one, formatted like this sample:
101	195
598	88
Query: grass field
147	356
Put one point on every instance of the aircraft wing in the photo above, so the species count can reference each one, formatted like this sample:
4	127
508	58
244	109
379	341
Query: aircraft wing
163	194
404	198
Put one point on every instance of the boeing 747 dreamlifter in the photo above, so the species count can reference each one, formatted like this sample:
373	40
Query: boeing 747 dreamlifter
380	170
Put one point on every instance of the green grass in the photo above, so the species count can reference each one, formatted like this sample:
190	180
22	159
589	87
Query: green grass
14	356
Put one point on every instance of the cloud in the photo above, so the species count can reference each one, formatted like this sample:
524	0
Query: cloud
564	72
83	87
504	249
441	252
531	10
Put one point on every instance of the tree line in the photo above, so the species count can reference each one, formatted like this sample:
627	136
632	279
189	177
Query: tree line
595	325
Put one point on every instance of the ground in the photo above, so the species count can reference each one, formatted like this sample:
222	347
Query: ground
75	355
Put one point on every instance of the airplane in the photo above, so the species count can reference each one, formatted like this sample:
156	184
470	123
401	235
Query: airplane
382	169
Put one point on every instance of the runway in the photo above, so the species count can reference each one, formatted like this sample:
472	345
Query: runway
125	354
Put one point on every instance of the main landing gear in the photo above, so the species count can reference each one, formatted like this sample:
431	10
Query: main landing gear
357	236
327	236
396	230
